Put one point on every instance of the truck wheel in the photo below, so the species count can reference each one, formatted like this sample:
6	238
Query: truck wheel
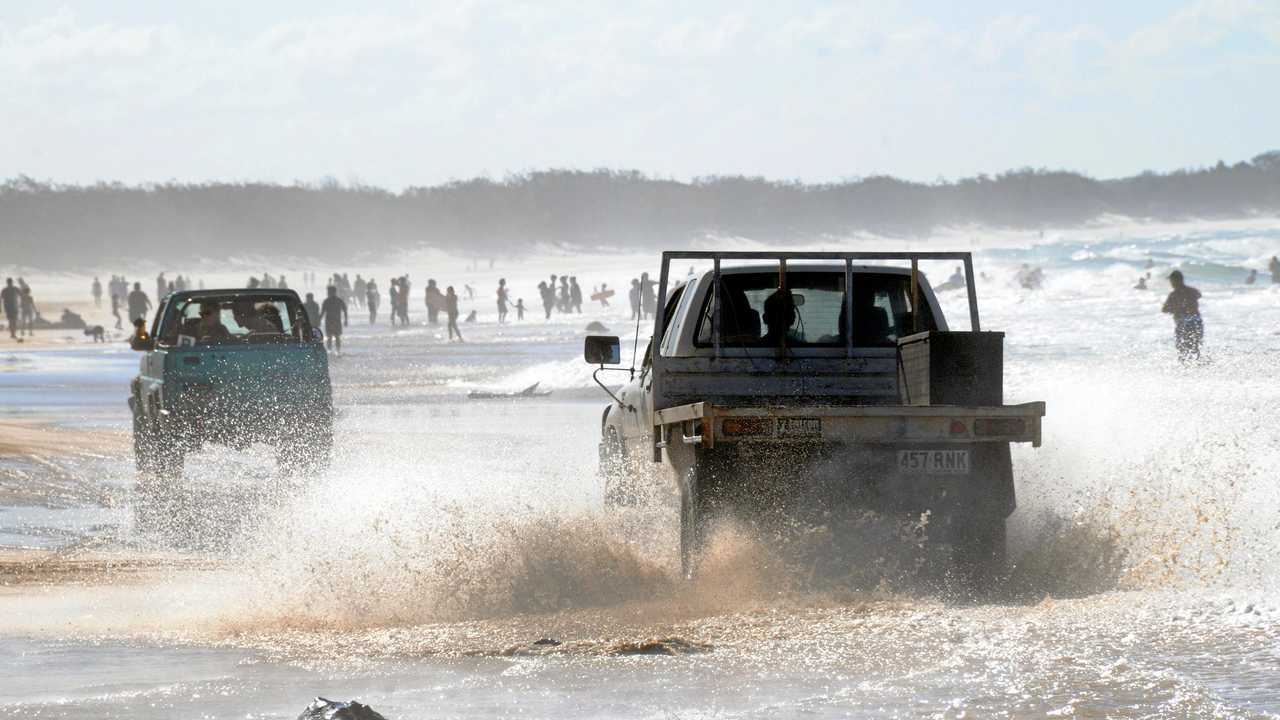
619	487
697	514
168	457
981	556
305	453
142	449
160	465
703	501
692	529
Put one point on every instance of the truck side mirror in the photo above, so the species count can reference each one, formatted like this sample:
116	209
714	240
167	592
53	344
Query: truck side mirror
141	344
602	350
316	335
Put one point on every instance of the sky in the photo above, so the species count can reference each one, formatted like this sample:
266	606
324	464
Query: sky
401	94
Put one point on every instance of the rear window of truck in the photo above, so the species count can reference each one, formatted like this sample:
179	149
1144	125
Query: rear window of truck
232	320
810	312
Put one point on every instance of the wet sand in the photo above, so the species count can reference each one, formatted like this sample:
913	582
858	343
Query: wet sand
73	567
47	440
456	561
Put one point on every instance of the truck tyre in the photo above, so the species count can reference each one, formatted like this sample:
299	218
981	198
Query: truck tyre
168	456
305	453
160	466
980	556
701	504
693	526
142	450
619	487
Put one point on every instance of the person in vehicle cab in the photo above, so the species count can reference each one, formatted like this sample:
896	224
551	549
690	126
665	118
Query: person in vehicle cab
779	316
870	322
207	325
271	315
248	317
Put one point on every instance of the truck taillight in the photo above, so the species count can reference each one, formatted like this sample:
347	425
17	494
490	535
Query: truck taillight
737	427
998	426
959	428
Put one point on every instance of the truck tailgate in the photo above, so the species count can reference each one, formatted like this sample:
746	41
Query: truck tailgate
707	424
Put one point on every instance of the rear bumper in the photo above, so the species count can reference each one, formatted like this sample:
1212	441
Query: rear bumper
210	417
706	425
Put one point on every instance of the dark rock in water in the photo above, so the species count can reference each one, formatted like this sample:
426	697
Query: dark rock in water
595	326
546	641
322	709
659	646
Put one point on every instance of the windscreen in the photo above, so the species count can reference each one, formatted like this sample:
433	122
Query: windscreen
755	311
233	320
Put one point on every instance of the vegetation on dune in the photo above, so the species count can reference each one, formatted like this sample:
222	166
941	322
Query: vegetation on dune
55	225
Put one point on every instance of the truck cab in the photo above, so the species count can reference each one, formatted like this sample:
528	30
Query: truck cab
781	383
230	367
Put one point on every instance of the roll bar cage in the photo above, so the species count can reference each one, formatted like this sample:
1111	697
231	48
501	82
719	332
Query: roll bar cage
782	258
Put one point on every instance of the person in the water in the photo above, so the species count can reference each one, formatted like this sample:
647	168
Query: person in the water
1188	329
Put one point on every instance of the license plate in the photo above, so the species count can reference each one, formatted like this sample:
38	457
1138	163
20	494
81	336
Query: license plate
799	427
934	462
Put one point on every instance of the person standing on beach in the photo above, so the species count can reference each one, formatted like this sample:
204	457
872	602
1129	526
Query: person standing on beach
1274	267
11	301
1188	329
361	290
371	299
139	303
434	300
115	310
502	301
451	309
634	296
28	309
313	310
575	294
548	294
334	314
393	296
404	300
97	292
648	298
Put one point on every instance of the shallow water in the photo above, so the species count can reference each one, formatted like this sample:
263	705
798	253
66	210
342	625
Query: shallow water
453	535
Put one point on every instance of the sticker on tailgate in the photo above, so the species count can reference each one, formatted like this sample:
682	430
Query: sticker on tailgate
799	427
934	462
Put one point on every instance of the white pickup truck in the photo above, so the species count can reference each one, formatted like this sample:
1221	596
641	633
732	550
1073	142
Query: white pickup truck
781	384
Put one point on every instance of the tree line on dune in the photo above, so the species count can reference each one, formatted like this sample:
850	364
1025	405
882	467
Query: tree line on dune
69	226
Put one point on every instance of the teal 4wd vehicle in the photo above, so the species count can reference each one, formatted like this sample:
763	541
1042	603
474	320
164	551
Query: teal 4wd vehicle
235	368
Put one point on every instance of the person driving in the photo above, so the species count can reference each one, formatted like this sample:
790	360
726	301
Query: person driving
208	325
870	323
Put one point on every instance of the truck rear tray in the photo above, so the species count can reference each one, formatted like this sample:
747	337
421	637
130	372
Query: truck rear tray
706	424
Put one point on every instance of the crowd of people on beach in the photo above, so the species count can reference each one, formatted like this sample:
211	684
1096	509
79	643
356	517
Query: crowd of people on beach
19	308
559	294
